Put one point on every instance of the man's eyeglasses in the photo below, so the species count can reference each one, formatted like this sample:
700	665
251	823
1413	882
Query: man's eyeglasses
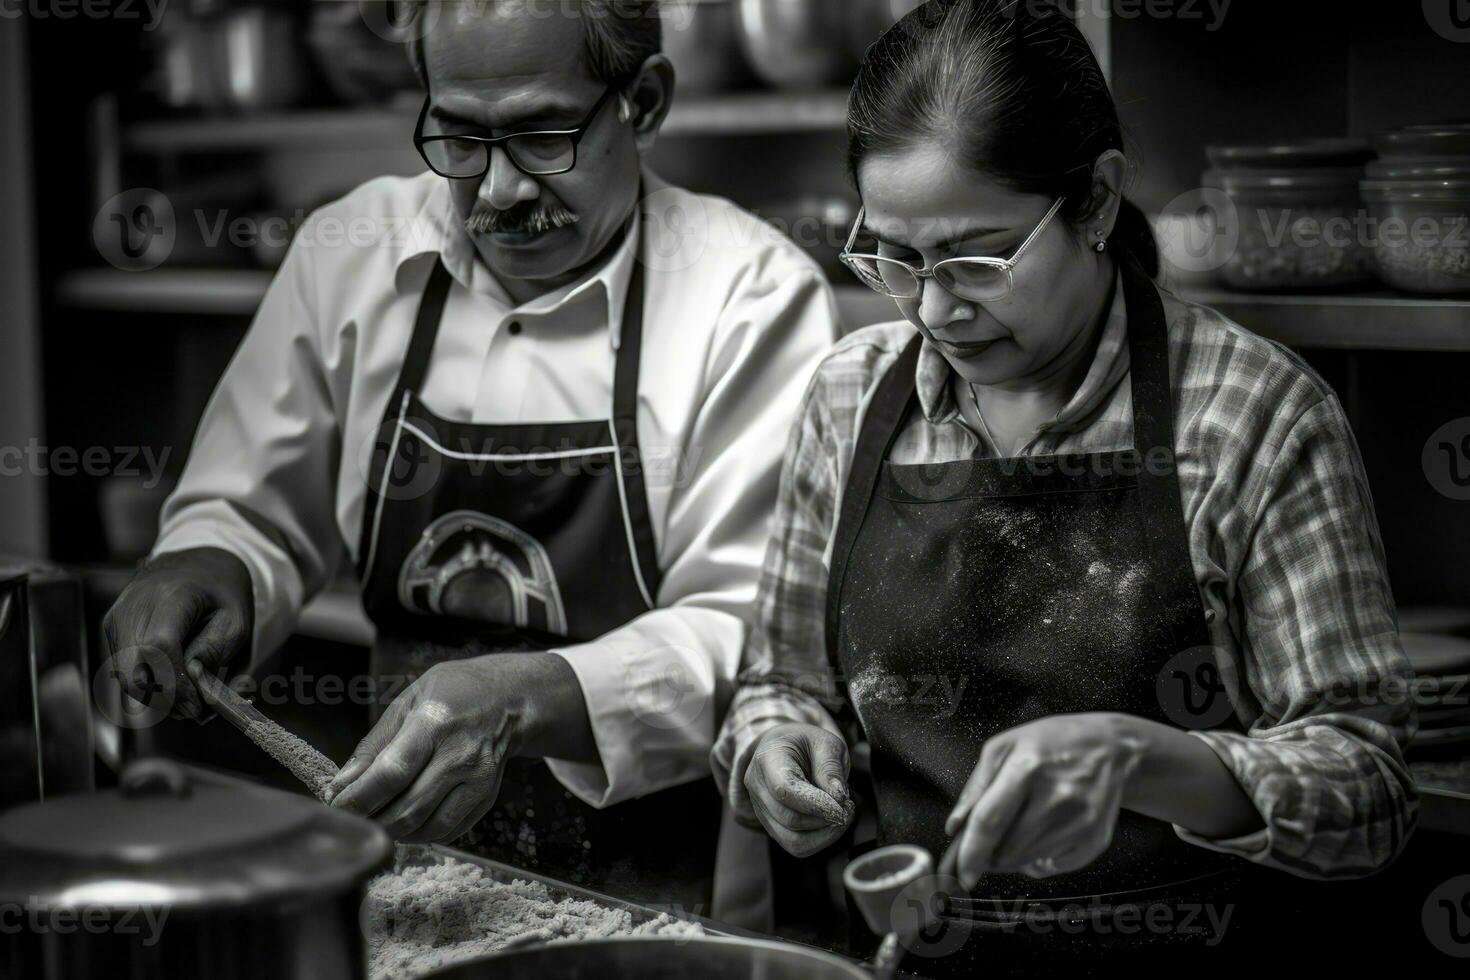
980	280
542	153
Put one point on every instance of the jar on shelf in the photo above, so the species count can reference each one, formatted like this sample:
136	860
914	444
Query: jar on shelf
1422	232
1295	229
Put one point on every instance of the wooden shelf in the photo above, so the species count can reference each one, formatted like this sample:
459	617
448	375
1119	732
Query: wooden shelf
1366	322
732	114
1383	321
223	292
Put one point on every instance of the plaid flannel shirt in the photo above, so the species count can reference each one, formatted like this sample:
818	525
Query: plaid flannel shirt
1285	549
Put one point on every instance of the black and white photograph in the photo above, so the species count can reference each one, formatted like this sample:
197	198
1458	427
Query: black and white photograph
734	489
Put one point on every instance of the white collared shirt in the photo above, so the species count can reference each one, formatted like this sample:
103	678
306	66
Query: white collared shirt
735	320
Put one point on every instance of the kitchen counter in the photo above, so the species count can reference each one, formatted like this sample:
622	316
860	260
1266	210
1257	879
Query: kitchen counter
1444	790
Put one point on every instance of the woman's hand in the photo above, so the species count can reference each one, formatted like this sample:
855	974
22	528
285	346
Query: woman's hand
1045	797
797	781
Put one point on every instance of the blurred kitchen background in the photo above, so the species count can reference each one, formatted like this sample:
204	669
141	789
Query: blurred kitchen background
262	110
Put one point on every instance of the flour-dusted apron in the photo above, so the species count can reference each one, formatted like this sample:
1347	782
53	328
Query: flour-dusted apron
486	538
969	597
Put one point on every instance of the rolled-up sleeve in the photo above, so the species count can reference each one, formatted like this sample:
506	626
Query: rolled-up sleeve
1326	693
260	478
657	688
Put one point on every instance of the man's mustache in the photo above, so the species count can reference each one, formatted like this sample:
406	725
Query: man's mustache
527	219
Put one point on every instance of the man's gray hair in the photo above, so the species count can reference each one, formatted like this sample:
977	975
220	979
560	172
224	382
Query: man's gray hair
620	34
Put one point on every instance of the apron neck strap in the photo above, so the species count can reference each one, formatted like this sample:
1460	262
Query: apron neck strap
881	425
425	329
1148	362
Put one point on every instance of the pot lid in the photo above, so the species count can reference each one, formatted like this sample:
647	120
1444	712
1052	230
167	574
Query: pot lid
184	838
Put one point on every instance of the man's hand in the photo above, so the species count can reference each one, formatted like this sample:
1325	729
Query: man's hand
1045	796
432	765
797	781
183	606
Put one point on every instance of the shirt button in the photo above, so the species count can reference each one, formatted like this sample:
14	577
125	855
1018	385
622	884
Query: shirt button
515	328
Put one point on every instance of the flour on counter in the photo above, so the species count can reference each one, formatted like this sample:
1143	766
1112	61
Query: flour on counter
421	917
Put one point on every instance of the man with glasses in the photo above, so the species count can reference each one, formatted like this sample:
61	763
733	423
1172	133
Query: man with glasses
544	424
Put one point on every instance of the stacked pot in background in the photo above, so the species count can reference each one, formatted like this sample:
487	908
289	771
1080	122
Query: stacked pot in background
719	45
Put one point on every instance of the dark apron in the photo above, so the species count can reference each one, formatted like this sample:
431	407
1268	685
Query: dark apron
497	538
969	597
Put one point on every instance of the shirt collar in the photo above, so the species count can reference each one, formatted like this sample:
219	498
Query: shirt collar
1109	366
436	231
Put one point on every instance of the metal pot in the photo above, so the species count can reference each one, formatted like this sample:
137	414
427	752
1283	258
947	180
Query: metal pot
45	715
178	873
703	41
798	43
655	958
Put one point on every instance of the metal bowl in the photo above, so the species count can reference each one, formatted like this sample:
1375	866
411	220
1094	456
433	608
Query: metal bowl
701	39
798	43
655	958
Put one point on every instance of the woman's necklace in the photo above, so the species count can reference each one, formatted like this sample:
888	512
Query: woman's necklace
980	416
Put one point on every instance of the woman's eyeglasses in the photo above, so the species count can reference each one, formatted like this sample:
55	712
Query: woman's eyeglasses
975	278
542	153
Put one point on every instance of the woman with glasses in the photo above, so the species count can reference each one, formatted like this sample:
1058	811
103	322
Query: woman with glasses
1092	571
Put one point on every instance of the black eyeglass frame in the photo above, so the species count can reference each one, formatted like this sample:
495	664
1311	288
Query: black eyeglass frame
490	142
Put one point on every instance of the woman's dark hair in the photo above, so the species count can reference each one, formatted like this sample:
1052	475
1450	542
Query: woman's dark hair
1012	90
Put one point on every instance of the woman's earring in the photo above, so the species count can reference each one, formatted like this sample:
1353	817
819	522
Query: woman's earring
1102	244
